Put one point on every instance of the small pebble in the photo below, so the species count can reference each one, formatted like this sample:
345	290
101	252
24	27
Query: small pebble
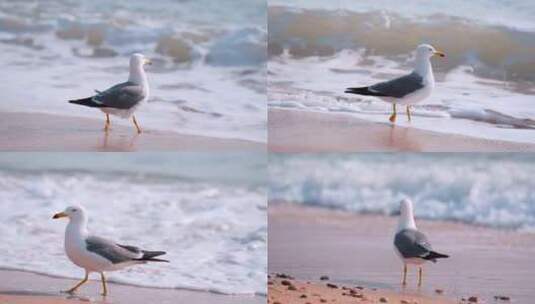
331	285
439	291
473	299
502	298
324	278
283	276
383	300
286	283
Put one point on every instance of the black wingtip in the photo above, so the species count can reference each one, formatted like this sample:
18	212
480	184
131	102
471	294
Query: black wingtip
432	256
359	91
88	102
157	260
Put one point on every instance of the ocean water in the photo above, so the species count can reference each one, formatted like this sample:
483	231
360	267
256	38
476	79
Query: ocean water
213	227
485	85
494	190
208	72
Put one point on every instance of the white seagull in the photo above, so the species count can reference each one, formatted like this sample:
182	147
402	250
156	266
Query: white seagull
409	89
410	244
96	254
124	98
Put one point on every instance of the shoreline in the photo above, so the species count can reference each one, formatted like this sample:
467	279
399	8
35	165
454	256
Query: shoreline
291	131
356	249
48	132
41	288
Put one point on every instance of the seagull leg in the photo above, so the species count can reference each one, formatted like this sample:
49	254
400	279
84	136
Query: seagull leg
107	125
393	116
409	112
72	290
420	277
404	275
135	123
104	289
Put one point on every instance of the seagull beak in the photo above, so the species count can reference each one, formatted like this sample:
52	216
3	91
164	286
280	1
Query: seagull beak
59	215
439	54
148	61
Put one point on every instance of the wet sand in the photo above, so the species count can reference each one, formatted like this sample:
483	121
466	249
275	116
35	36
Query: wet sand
303	131
44	132
352	250
285	290
18	287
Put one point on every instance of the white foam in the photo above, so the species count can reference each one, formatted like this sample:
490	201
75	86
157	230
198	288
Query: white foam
217	91
215	234
486	189
460	104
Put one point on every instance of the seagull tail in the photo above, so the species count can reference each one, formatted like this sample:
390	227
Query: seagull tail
363	91
88	102
150	256
432	256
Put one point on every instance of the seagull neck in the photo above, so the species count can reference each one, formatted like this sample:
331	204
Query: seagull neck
137	75
406	221
423	67
76	227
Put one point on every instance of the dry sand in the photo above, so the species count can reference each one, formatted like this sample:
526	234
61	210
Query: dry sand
303	131
18	287
352	250
44	132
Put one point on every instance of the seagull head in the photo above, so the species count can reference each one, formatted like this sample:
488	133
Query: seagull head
139	60
406	218
72	212
427	51
405	207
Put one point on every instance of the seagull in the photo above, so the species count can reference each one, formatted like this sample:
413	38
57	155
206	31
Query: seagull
410	244
409	89
96	254
124	98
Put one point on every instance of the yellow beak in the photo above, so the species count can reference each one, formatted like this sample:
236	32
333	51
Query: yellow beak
59	215
148	61
439	54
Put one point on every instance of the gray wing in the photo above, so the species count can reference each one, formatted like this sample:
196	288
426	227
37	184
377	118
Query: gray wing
412	244
121	96
113	252
399	87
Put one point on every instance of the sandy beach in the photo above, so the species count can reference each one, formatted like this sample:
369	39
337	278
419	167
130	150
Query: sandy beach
356	250
287	290
19	287
305	131
44	132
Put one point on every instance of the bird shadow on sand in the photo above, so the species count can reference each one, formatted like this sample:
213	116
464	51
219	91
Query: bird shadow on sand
67	296
402	138
118	142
